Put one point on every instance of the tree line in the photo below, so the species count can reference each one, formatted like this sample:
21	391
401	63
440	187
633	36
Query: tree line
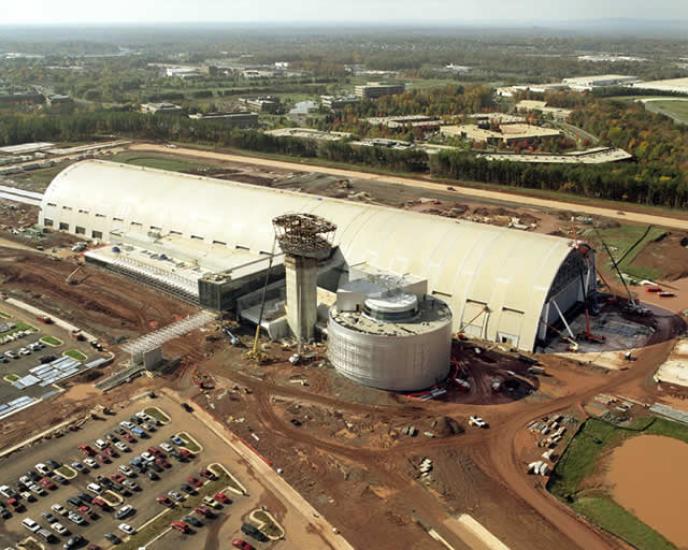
658	178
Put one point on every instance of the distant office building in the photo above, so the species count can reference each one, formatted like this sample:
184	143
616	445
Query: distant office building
507	134
16	96
58	99
232	120
161	108
185	73
582	83
337	103
529	105
373	90
264	104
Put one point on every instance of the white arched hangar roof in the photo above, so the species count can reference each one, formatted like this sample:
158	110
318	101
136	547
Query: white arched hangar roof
496	280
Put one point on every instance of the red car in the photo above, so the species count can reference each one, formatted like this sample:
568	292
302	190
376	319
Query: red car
16	504
180	526
221	497
100	502
118	478
204	511
208	474
155	451
47	483
165	501
109	451
128	437
242	544
194	482
163	462
87	450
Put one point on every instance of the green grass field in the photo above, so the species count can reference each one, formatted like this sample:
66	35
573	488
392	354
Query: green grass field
76	354
51	341
161	162
676	109
613	518
620	240
581	460
158	414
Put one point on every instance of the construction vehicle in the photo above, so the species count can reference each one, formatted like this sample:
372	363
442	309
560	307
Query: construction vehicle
70	279
233	339
203	380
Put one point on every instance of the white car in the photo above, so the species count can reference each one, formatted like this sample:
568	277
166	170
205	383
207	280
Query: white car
477	422
42	469
31	525
90	463
94	488
59	509
148	457
59	528
126	470
101	444
166	447
126	528
6	491
126	425
122	447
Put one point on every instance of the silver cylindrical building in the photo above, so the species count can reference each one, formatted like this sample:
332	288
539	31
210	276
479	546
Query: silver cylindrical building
397	343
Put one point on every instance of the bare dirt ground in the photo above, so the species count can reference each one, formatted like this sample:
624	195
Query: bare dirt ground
646	475
667	254
112	305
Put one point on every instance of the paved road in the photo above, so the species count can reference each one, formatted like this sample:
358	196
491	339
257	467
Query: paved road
646	219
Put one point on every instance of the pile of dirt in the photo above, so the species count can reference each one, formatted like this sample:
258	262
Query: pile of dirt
668	256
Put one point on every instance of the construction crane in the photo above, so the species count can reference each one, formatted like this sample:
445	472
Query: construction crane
633	305
255	353
587	335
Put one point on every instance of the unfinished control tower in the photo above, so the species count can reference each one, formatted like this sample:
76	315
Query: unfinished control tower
305	239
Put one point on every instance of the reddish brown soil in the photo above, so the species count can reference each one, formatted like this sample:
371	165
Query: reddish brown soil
107	304
667	255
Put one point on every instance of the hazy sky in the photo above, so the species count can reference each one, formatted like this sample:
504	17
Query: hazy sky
502	11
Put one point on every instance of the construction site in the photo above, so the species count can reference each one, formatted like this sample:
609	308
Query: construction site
393	342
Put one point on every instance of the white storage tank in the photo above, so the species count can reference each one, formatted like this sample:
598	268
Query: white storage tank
396	341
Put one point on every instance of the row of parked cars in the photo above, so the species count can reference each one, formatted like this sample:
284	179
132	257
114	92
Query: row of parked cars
13	336
20	352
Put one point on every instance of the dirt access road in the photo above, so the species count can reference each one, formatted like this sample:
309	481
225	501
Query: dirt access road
646	219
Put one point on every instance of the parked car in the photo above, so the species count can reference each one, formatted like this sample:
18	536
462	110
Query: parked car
221	497
180	526
59	509
192	520
125	511
59	528
30	524
114	539
241	544
76	541
253	532
165	501
126	528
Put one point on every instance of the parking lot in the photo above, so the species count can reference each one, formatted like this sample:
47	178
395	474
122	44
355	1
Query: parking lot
26	345
203	517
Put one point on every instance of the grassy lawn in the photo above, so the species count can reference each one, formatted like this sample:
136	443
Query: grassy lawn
10	378
4	315
158	414
76	354
67	471
621	240
580	461
182	509
613	518
267	524
161	162
189	442
678	110
52	341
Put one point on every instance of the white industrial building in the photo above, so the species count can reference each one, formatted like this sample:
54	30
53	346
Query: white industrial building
583	83
212	239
